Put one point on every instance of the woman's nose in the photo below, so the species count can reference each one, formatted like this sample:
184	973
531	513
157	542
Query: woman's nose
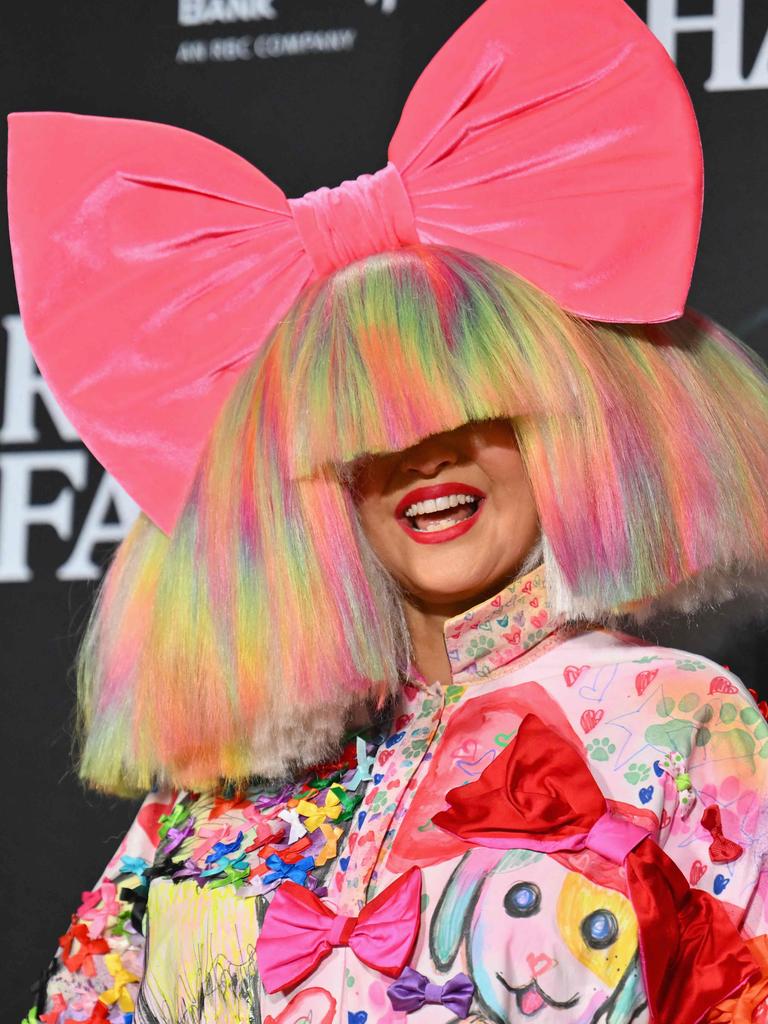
429	457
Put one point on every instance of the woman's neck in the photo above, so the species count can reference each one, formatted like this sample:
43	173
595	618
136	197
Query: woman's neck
428	639
426	624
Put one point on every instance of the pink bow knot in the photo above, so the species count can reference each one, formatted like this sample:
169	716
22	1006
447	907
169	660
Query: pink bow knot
300	930
614	838
341	930
357	218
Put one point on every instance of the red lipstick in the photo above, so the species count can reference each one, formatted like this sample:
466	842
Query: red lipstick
438	491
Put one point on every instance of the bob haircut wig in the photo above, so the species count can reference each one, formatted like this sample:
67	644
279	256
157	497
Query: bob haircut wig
240	645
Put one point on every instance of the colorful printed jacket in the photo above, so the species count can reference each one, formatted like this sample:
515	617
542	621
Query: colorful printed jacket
170	932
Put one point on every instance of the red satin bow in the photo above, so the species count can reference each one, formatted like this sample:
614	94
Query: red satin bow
721	850
299	931
87	948
539	794
151	263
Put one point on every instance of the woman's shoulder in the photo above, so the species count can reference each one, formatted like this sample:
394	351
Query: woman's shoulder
673	698
606	648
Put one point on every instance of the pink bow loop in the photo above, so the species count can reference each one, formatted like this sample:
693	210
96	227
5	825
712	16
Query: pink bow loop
299	931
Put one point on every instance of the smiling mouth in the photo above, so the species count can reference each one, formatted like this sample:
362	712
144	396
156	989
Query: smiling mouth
439	512
530	998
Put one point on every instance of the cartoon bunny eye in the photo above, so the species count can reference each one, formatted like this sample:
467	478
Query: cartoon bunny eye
523	900
600	929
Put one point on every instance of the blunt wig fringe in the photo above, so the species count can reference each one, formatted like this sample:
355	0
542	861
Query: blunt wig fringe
241	644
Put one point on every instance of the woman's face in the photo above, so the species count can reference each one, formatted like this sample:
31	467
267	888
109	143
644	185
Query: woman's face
452	518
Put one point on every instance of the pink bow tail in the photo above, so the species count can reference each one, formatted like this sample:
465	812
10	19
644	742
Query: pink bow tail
299	931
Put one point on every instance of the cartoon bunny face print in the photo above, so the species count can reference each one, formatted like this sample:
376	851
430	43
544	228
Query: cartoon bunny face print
540	942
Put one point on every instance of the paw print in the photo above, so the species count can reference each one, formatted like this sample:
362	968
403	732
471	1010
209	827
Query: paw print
379	801
601	750
416	748
454	693
637	773
428	708
478	646
689	664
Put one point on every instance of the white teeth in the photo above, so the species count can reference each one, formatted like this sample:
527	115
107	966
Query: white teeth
421	508
440	524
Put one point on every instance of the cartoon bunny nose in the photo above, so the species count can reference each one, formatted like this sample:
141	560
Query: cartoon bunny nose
539	963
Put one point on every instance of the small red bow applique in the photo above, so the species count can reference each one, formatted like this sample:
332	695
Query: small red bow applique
721	850
538	794
299	931
82	959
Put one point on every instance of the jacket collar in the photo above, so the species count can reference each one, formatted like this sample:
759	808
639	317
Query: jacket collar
499	630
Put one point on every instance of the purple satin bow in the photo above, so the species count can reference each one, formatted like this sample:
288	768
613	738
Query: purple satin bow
176	836
265	801
412	990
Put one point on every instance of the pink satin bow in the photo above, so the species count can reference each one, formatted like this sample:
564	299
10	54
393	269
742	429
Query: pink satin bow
555	138
299	931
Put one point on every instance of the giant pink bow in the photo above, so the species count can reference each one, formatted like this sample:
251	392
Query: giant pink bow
554	137
299	931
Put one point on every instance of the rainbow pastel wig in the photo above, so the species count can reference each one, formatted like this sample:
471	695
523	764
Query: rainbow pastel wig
241	644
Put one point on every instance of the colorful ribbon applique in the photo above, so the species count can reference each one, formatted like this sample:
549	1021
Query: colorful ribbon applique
175	819
137	897
189	869
314	814
262	831
243	806
282	871
174	837
122	978
538	794
229	872
89	901
221	849
349	802
721	850
412	990
133	866
332	835
212	834
99	1013
290	854
299	931
319	783
292	817
268	801
227	864
98	917
364	770
58	1006
82	957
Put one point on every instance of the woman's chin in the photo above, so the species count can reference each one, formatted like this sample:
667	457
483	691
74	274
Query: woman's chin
452	593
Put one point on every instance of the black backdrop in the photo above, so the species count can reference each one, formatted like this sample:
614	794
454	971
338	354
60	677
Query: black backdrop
310	91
